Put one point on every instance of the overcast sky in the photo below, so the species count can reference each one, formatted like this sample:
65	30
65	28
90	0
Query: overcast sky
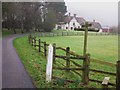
104	12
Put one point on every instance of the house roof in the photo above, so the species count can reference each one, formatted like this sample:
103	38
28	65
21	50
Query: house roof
96	25
80	20
68	19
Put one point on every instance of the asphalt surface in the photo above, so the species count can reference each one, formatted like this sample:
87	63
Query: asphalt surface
14	74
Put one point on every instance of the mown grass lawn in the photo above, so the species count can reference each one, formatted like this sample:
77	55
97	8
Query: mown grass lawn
100	47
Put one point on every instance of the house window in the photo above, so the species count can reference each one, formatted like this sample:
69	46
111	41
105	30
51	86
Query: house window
66	27
73	24
78	27
71	28
59	27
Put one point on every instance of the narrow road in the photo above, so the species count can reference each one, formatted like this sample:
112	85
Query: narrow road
14	74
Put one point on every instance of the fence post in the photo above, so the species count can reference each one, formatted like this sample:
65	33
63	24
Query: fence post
62	33
34	41
118	76
96	33
49	34
53	34
86	64
77	34
45	49
29	38
49	65
39	45
67	34
68	57
54	52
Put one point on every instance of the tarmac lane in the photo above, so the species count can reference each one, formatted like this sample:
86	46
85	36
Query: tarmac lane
14	74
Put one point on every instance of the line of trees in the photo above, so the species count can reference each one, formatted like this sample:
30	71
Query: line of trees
28	16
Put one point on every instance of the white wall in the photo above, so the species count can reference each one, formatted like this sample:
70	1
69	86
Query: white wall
66	25
76	24
71	24
63	26
100	30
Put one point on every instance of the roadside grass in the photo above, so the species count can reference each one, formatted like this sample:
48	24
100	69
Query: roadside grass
35	62
32	60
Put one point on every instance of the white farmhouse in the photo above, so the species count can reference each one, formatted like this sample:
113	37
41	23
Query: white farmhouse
71	22
74	22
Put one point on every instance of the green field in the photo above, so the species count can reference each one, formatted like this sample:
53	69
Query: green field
100	47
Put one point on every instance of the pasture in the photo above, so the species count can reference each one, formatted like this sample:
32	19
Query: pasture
100	47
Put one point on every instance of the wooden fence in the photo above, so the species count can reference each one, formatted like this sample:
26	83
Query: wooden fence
85	68
71	55
42	46
71	34
69	58
118	76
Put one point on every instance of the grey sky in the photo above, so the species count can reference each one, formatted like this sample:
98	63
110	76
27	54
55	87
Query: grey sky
104	12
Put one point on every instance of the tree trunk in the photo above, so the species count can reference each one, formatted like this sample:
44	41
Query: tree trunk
22	31
22	28
8	28
14	30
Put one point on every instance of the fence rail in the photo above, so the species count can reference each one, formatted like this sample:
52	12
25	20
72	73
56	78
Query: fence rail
52	34
104	72
70	57
103	62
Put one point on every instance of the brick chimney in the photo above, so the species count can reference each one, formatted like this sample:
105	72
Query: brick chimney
69	14
93	20
75	15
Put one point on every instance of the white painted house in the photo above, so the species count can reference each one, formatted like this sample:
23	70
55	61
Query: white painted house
74	22
70	23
